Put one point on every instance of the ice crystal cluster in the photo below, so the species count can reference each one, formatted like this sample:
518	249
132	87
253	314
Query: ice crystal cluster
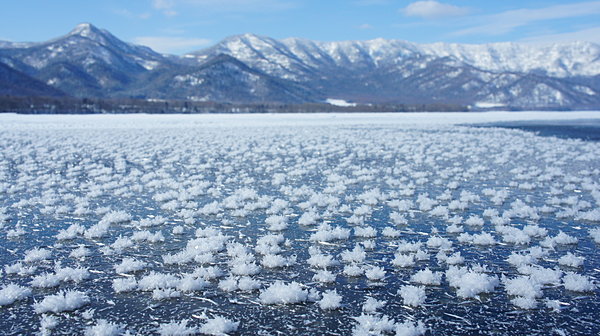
298	224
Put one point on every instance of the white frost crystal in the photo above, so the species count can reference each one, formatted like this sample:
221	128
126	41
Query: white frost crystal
304	217
63	301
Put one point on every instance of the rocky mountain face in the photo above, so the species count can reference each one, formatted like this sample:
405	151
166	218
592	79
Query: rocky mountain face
91	62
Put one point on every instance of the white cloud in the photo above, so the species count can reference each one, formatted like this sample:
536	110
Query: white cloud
128	14
430	9
365	26
588	35
171	45
505	22
163	4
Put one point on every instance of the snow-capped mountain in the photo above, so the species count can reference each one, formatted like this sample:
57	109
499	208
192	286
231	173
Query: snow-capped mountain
91	62
502	74
86	62
221	78
558	60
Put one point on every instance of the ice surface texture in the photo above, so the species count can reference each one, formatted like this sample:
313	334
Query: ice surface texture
297	224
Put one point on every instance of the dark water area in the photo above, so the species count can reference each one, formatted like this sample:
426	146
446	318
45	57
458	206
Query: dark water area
583	129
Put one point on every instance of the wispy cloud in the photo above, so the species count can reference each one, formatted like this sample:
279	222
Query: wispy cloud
131	15
170	7
365	26
171	45
589	35
165	6
505	22
430	9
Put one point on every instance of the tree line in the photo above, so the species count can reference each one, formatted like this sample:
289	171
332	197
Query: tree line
69	105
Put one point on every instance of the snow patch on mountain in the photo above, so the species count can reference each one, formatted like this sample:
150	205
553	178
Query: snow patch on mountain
91	62
559	60
339	102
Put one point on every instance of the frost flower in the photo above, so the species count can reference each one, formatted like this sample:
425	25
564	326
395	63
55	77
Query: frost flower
63	301
280	293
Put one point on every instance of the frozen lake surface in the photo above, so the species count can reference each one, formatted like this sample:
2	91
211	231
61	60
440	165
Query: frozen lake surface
584	129
303	224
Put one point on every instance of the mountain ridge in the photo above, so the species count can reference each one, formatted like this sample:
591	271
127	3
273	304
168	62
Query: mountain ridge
91	62
490	56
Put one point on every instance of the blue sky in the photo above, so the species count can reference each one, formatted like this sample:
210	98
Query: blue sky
179	26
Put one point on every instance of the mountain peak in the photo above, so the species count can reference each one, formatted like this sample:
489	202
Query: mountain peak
90	61
89	31
248	38
84	29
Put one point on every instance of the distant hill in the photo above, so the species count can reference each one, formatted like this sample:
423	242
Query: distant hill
91	62
16	83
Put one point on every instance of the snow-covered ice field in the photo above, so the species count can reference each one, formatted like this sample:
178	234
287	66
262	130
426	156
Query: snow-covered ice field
303	224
